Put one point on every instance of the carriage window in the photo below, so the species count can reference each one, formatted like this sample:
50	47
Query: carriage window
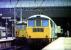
38	22
31	23
44	23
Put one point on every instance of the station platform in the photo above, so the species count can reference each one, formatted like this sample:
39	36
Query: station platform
62	43
5	43
7	39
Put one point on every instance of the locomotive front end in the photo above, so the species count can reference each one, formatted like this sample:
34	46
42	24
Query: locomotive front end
38	30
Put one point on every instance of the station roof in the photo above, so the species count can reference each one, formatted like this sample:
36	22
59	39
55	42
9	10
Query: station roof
33	3
58	9
51	8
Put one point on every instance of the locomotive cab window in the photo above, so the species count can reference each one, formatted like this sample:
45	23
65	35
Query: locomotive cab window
20	26
38	22
31	23
44	23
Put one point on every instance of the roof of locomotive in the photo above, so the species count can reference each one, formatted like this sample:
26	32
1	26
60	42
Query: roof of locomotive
41	16
21	22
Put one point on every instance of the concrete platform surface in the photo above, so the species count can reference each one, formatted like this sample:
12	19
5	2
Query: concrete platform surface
7	39
62	43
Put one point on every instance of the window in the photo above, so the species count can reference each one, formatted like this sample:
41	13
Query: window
44	23
38	22
20	26
31	23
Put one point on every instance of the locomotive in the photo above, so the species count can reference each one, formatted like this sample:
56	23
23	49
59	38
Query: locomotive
41	27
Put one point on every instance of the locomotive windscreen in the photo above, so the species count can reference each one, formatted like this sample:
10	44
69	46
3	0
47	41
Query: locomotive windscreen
38	23
31	23
20	27
44	23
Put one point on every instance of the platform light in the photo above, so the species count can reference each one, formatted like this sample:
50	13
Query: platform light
6	17
0	14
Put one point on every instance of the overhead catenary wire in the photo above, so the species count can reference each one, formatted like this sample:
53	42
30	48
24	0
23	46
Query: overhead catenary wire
39	5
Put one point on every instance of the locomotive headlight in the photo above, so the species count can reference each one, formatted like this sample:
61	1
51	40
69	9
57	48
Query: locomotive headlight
29	36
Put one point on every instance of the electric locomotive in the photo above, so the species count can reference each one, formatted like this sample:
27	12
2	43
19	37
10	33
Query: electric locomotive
41	27
20	29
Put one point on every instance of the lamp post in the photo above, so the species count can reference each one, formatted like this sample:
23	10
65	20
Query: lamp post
12	20
0	31
15	27
0	22
6	18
